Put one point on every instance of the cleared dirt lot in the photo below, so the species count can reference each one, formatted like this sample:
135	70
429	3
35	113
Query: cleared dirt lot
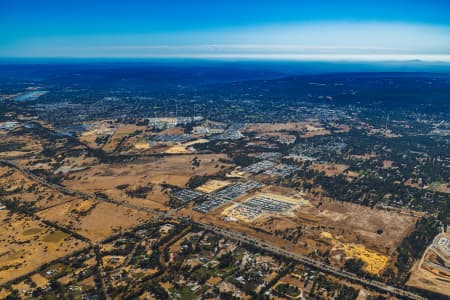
360	223
355	231
429	279
431	272
95	220
374	262
27	243
213	185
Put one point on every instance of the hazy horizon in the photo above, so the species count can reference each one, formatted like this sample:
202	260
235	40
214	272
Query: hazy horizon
257	30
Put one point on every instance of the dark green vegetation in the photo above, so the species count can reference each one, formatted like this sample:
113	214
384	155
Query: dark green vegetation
414	245
340	291
395	151
420	159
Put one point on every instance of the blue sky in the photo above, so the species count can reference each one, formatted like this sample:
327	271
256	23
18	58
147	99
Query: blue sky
304	30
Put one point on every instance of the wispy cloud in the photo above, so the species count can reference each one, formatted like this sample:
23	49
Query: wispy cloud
305	41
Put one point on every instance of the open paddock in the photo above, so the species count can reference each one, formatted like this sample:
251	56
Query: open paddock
170	169
334	169
122	133
99	222
17	186
117	180
13	145
27	243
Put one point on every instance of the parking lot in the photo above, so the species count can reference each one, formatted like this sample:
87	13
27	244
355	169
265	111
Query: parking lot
257	205
186	195
228	194
259	167
282	170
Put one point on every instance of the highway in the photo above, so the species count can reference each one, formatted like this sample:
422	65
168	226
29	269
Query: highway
235	236
81	195
308	261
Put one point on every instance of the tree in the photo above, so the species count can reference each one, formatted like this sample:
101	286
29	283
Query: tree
226	260
13	296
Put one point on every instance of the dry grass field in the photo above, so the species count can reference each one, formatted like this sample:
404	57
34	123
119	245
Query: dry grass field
185	147
334	169
27	243
103	128
306	129
142	145
17	186
213	185
171	169
311	225
443	187
39	280
118	181
95	220
13	145
124	133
